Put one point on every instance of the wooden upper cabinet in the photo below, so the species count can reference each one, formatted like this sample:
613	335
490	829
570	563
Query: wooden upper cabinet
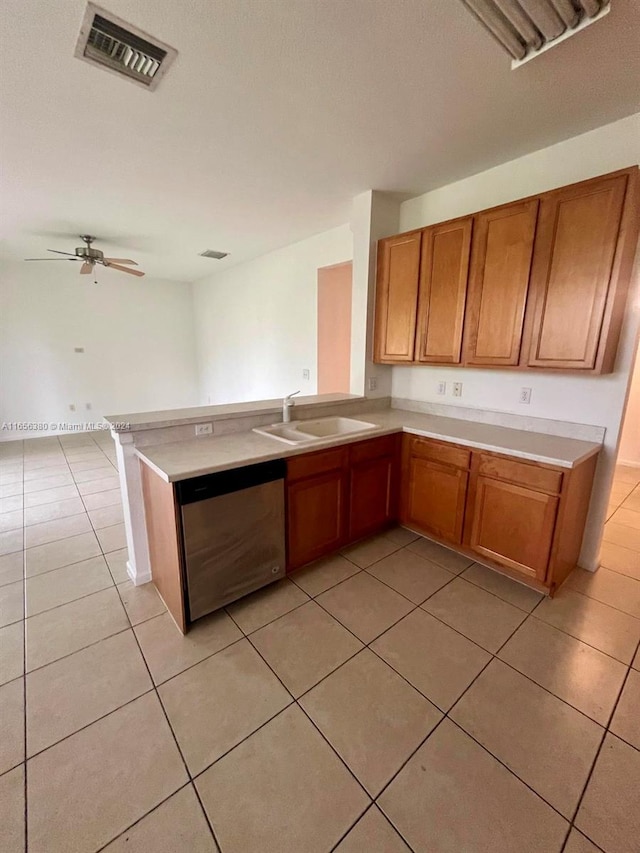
397	297
573	262
539	283
443	291
498	283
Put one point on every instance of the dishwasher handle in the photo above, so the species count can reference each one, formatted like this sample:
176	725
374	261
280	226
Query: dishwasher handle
225	482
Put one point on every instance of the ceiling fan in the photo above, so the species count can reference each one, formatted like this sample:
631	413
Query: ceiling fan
90	257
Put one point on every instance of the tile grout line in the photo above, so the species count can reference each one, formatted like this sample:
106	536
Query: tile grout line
294	701
593	764
607	730
484	748
168	722
24	670
187	784
606	604
245	635
24	674
374	805
445	714
310	598
584	642
153	689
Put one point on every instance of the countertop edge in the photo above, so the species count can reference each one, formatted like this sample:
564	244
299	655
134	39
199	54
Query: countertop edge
494	448
224	412
287	451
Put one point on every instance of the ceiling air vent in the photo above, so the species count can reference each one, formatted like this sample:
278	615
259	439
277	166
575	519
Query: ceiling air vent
526	28
111	43
211	253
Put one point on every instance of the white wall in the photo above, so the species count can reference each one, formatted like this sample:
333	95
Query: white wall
137	335
581	399
374	215
256	323
629	450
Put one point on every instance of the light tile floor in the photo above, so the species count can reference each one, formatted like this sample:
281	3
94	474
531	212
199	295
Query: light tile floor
393	698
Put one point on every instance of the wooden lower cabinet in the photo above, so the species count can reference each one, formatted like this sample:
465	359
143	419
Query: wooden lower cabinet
512	513
316	506
434	488
513	525
524	518
373	486
339	496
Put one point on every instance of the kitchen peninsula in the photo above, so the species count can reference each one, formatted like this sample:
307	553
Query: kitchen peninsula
511	492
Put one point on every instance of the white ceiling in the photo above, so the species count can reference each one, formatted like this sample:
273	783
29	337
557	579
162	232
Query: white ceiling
274	115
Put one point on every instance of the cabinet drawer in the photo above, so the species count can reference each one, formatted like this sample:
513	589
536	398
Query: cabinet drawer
526	474
374	448
437	451
321	462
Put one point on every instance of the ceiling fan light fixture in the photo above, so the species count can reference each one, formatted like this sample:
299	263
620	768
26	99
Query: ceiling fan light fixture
92	258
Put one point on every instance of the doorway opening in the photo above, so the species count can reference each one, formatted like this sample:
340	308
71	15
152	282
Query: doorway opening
334	328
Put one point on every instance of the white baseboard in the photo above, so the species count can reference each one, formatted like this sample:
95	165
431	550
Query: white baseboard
628	463
137	578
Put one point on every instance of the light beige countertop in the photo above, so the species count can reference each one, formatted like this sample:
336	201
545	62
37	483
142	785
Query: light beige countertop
201	414
205	455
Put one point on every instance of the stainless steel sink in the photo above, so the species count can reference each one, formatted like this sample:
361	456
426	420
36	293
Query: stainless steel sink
308	432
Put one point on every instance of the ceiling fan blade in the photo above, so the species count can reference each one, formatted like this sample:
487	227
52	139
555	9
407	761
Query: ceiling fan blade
51	259
123	269
86	268
120	261
71	254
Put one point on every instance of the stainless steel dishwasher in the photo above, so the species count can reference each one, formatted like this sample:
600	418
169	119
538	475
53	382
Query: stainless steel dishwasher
233	533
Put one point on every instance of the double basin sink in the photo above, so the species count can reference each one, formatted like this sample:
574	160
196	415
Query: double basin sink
308	432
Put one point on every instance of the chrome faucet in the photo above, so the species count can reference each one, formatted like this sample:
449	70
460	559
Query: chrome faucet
287	404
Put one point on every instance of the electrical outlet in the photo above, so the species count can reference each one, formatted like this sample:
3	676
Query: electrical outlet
442	387
306	374
525	395
373	383
204	429
457	389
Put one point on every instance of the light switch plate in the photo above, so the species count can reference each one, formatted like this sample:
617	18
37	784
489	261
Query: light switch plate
305	374
457	389
442	387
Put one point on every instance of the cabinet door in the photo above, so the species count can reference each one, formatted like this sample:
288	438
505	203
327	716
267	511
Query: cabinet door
498	283
512	525
316	516
573	260
443	290
434	498
371	496
397	297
